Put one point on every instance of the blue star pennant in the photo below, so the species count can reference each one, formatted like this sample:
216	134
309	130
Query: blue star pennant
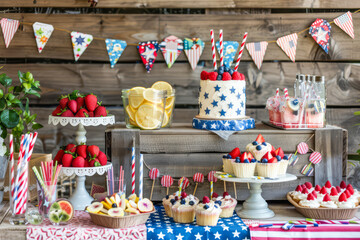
80	42
114	48
230	50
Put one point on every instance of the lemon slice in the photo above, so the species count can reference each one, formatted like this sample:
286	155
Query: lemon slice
161	85
169	111
130	112
165	120
169	102
153	95
136	97
148	116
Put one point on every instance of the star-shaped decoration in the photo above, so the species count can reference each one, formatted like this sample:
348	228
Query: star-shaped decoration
150	229
213	126
80	40
179	237
217	235
148	54
217	88
238	96
188	229
206	95
46	204
230	105
242	104
39	32
236	234
214	103
169	230
226	124
207	229
225	228
244	90
238	111
223	97
204	125
232	90
161	235
198	236
207	111
243	228
222	113
321	35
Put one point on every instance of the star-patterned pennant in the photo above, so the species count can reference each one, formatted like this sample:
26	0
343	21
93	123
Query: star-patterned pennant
80	42
9	28
257	52
171	48
288	45
193	49
148	53
115	48
345	22
229	52
320	31
42	32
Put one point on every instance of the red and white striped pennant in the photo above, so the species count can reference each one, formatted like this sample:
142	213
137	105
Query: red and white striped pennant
345	22
9	28
257	52
288	44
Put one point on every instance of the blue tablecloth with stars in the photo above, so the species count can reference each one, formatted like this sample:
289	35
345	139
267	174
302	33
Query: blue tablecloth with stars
160	226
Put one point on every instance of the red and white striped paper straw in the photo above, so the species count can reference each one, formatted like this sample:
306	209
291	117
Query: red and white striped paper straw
213	48
133	170
221	48
241	51
277	92
12	175
286	93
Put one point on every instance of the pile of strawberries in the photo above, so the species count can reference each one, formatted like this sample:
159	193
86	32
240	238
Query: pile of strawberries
79	105
80	156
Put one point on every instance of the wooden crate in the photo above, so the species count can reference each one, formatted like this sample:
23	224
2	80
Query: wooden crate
182	151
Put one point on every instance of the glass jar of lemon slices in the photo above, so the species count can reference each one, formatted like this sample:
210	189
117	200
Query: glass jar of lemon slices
149	108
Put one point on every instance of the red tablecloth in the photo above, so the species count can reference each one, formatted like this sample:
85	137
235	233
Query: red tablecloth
81	227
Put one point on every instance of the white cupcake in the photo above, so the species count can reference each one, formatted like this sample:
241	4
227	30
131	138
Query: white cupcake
207	213
245	169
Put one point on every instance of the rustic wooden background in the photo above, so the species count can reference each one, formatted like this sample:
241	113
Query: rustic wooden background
143	20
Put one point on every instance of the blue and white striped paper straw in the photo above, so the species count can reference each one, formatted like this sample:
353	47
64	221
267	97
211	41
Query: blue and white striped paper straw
141	175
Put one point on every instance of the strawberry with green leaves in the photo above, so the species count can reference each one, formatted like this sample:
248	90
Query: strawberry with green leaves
91	102
81	150
93	151
100	111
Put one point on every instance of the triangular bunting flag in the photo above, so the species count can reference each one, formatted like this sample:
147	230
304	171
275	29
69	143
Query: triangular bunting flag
114	48
257	52
193	49
345	22
171	48
229	52
9	28
80	42
42	33
148	53
320	31
288	45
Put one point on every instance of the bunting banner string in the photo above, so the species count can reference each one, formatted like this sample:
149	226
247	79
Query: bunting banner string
171	48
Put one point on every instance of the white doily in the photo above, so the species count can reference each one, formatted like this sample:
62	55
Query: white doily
88	171
86	121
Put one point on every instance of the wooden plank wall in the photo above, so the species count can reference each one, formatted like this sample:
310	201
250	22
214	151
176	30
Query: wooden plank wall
145	20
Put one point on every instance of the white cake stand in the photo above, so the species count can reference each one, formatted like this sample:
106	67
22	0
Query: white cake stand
255	207
81	198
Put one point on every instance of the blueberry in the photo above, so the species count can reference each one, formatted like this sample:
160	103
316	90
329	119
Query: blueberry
227	69
286	157
182	201
264	160
229	156
264	143
221	70
206	206
253	160
246	161
231	72
258	147
167	197
295	102
191	203
254	143
218	202
114	205
278	158
237	160
219	77
172	201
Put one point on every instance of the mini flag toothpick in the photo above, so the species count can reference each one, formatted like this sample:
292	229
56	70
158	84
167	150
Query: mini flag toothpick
114	48
320	31
148	53
80	42
288	45
230	49
345	22
171	48
42	32
193	49
257	52
9	28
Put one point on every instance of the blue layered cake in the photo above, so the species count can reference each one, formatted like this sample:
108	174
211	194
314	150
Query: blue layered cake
222	102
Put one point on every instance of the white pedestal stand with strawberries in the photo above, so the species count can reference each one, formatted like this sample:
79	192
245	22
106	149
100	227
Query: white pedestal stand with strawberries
255	207
81	198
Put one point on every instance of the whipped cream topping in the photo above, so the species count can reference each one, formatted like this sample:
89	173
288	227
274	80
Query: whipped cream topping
334	198
258	154
301	196
346	204
310	203
328	204
212	207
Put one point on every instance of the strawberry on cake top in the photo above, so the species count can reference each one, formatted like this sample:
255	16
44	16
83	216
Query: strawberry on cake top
259	147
